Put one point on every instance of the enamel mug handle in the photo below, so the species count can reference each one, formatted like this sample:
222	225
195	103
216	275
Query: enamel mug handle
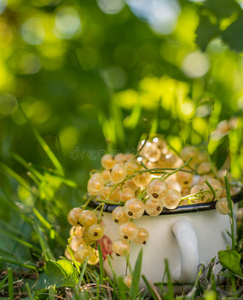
188	245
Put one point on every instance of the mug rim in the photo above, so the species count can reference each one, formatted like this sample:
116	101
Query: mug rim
180	209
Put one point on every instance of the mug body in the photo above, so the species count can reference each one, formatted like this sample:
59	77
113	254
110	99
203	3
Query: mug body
185	240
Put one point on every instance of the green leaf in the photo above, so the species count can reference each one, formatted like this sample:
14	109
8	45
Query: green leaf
206	31
2	282
230	259
232	35
60	273
224	9
136	276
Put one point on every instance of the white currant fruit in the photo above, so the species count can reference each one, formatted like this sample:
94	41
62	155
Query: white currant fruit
95	232
128	280
121	247
74	215
132	166
126	194
184	178
83	252
173	184
142	236
76	241
222	206
142	179
119	216
118	173
172	200
95	184
153	207
204	168
94	258
134	208
87	218
215	185
128	231
157	189
108	161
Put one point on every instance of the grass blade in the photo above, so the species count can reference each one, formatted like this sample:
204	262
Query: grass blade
2	282
29	291
226	180
44	145
170	284
12	261
149	288
101	264
82	273
134	290
10	283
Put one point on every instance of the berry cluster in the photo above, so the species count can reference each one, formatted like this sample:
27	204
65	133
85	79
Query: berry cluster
153	178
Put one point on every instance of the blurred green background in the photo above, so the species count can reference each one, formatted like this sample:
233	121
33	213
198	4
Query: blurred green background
86	74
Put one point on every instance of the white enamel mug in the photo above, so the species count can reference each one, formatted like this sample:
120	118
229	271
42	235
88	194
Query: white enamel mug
186	236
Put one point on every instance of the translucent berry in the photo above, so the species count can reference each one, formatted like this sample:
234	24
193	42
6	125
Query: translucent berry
108	161
157	189
67	254
134	208
132	166
184	178
172	200
153	207
95	232
130	184
121	247
142	236
94	258
151	152
83	252
173	184
196	188
110	193
126	194
87	218
119	216
203	178
160	144
118	173
204	168
74	215
76	241
142	179
95	184
120	158
216	185
222	206
106	175
76	230
128	231
201	158
188	152
128	280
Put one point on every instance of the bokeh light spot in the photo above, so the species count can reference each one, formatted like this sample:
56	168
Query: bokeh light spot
8	104
33	31
67	23
111	7
30	64
3	5
195	64
187	109
68	139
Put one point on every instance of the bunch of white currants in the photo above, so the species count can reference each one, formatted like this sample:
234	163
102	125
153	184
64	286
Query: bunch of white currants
153	178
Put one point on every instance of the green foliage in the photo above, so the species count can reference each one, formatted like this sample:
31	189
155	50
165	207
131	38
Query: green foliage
230	259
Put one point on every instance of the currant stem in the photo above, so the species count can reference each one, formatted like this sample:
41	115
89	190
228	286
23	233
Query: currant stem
179	169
